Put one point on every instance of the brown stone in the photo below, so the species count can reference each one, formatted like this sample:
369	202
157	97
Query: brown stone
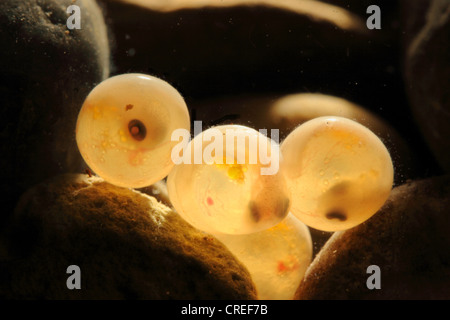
408	239
159	191
127	245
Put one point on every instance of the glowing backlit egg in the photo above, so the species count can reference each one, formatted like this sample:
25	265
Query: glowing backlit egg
277	258
339	173
124	129
230	181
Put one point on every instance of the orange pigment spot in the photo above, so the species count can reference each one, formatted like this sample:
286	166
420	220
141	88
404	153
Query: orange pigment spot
134	130
287	266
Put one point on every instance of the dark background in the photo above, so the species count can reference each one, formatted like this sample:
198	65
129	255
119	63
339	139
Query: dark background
210	53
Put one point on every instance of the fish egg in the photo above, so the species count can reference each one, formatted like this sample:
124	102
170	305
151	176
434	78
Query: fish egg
276	258
124	129
230	181
339	173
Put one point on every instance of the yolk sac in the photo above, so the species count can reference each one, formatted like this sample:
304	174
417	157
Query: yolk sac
277	258
229	191
124	129
339	173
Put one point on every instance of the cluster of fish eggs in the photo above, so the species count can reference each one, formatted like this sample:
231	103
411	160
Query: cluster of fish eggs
330	173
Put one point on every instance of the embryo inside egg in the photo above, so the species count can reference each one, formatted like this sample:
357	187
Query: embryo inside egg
339	173
229	191
124	129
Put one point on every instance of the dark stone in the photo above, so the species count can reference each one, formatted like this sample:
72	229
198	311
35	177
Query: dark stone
426	26
46	71
408	239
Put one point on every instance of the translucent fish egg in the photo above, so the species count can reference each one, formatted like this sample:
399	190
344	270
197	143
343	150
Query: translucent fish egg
339	173
124	129
277	258
231	188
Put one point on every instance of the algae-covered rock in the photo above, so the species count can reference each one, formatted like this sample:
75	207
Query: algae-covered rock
126	244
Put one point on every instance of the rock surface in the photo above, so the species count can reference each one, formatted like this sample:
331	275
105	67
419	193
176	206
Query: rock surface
426	55
159	191
46	71
127	245
210	48
408	239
